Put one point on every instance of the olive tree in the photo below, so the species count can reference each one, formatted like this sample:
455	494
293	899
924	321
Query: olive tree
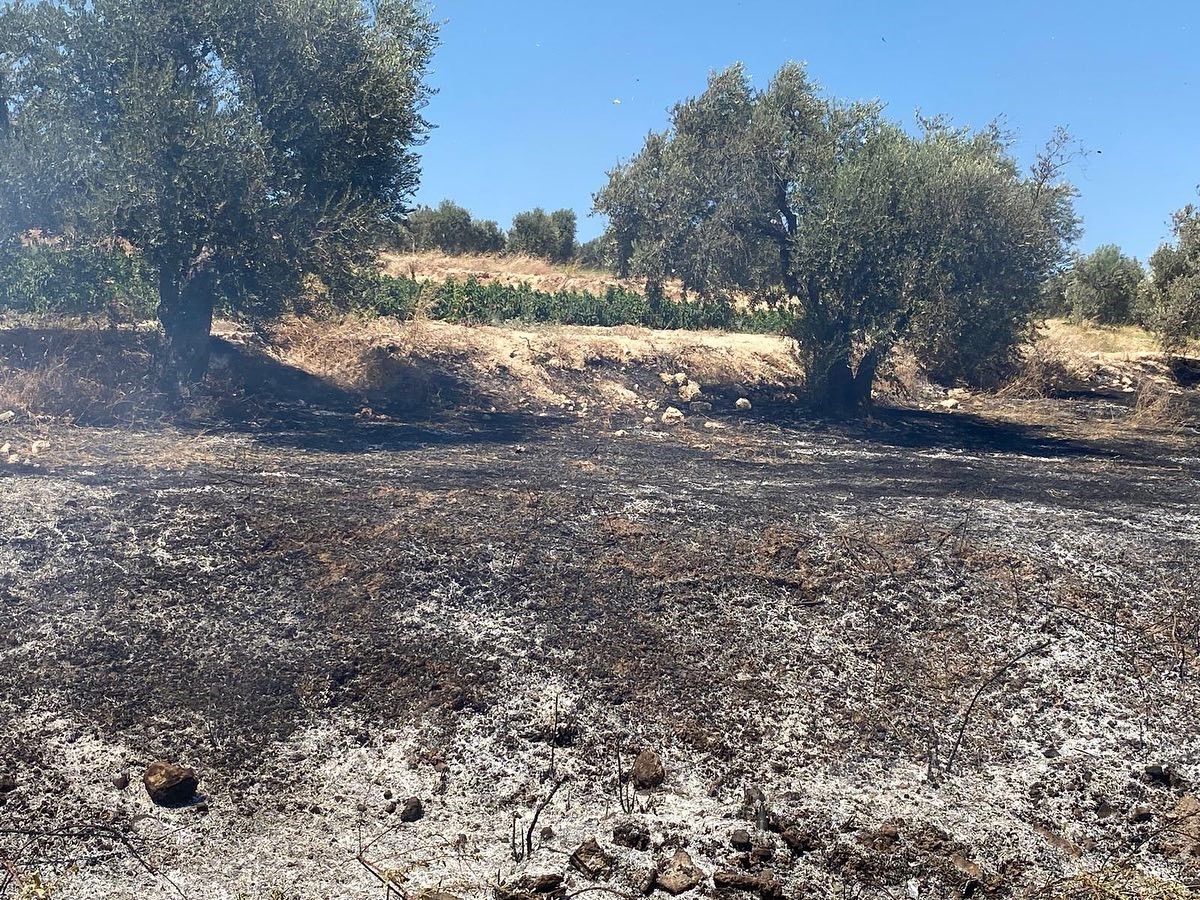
869	235
1172	293
1103	286
546	235
451	229
242	147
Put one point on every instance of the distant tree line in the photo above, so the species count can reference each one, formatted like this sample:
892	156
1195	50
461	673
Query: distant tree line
450	228
1108	287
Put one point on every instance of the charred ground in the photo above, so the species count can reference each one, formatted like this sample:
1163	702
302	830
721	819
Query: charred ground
956	653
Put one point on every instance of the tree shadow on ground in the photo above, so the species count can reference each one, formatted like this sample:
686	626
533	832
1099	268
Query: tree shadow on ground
284	406
105	377
966	432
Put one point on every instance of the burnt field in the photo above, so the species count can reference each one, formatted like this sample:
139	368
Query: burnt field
931	655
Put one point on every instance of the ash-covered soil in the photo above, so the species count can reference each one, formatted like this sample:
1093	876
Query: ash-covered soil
927	656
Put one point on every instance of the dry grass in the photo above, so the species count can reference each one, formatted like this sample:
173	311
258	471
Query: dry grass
1119	882
433	265
1088	339
77	373
1046	369
1157	407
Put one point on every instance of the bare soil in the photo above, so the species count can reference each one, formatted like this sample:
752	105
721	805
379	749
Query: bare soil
932	654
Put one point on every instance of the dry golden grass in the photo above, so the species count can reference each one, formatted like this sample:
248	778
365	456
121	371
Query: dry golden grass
1084	338
1046	369
433	265
1118	882
1157	408
76	372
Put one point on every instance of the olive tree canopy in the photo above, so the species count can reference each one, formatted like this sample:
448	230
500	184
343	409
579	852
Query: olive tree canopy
869	234
240	146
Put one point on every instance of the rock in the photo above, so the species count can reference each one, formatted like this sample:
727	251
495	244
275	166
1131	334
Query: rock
6	450
1165	776
959	394
648	420
121	781
412	810
435	894
743	404
648	772
169	784
689	391
541	883
681	379
37	447
590	859
7	416
799	841
633	835
701	406
949	403
714	426
740	839
667	378
672	416
764	885
548	884
679	875
649	880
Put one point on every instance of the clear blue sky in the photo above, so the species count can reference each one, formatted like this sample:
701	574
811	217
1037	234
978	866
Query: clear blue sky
526	113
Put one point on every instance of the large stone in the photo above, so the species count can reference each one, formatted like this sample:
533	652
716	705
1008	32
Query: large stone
744	405
679	875
672	416
648	772
169	784
590	859
741	839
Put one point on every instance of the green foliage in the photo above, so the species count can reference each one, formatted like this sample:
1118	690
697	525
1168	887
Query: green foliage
451	229
1103	286
598	253
83	281
869	234
546	235
1170	301
475	302
239	145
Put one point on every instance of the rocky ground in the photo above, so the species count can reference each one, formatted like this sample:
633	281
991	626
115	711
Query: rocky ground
937	654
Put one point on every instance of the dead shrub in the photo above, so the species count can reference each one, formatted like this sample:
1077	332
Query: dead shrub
86	375
1118	882
1043	372
1156	408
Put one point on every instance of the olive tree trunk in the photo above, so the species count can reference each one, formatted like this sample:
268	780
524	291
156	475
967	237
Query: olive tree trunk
185	309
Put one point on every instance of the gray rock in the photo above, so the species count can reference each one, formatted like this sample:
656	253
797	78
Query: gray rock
412	810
